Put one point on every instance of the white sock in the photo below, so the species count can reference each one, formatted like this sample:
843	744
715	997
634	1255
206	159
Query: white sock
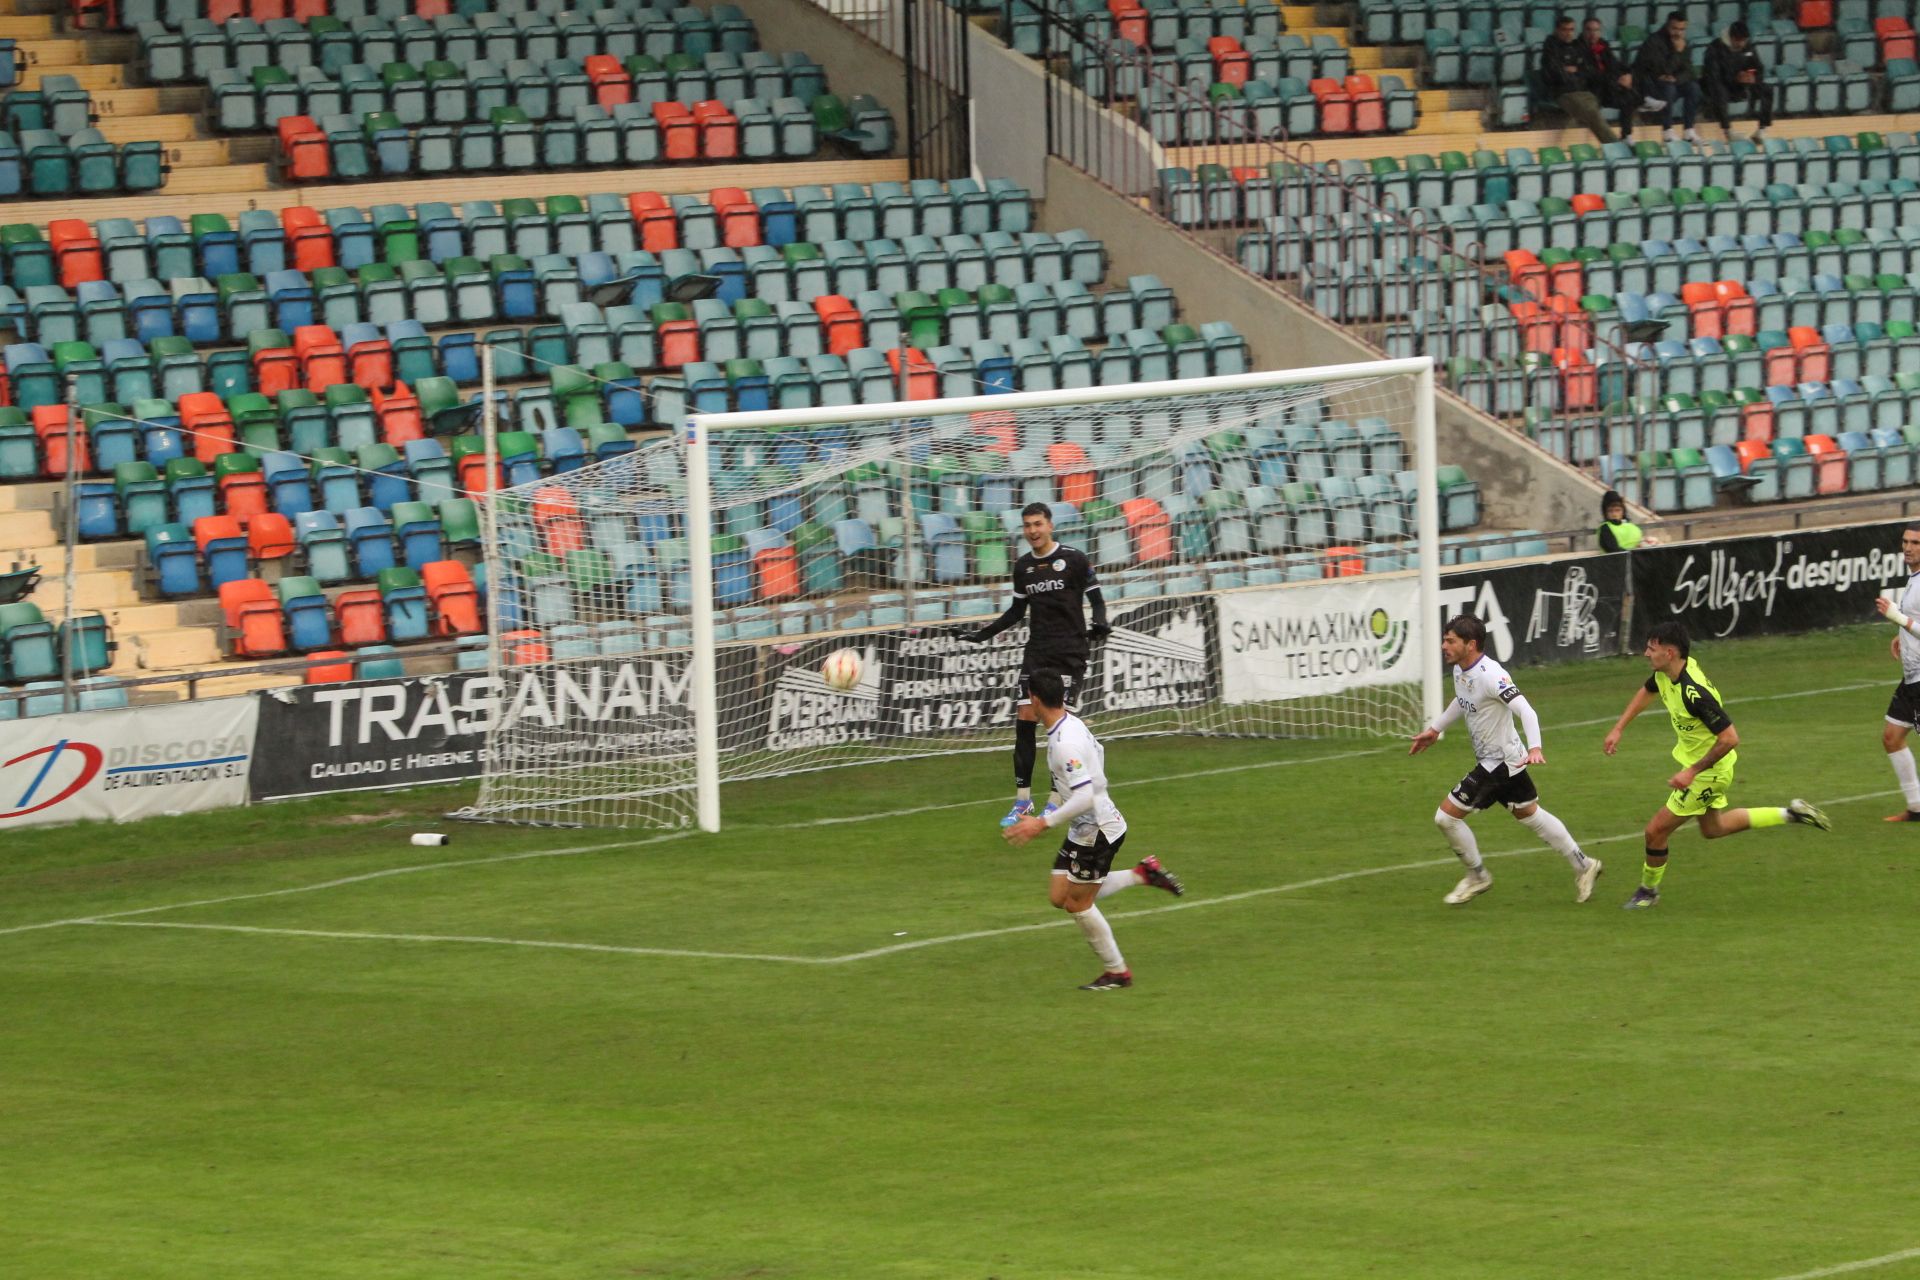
1460	836
1558	838
1118	880
1023	793
1903	769
1100	938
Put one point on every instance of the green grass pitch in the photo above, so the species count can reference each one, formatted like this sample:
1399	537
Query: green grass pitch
1329	1075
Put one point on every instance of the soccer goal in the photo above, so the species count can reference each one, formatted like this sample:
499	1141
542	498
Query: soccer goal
771	592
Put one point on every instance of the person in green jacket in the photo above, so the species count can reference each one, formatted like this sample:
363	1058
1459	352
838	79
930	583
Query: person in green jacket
1617	533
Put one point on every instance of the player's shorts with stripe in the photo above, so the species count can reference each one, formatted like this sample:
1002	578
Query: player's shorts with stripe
1088	864
1070	666
1904	709
1483	788
1709	791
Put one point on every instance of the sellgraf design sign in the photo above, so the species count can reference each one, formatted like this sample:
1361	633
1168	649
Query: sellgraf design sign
1797	581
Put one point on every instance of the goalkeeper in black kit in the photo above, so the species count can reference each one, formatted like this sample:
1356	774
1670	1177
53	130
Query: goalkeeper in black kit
1049	583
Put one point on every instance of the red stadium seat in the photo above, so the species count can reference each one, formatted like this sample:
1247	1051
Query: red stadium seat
1829	464
455	600
922	380
1070	463
1896	38
329	666
719	130
1231	63
269	536
844	328
1369	108
308	236
1129	21
204	415
1336	108
1150	530
303	149
322	363
275	369
250	613
679	134
77	251
361	617
557	519
399	415
739	217
56	432
659	229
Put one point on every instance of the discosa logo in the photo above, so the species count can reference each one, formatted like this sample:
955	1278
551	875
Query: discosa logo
44	777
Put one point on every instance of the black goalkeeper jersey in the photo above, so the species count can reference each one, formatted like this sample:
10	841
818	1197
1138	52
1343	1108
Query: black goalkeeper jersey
1054	587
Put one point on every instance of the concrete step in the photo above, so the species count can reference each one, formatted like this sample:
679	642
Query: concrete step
28	495
123	555
92	589
22	529
167	649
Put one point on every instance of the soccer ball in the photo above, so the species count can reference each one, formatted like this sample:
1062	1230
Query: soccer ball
842	668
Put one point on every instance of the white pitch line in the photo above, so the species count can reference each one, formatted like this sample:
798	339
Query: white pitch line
1845	1268
868	816
918	944
355	879
442	937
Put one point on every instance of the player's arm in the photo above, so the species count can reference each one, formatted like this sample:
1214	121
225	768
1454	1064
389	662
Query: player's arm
1015	611
1441	723
1708	711
1643	697
1098	603
1891	612
1529	722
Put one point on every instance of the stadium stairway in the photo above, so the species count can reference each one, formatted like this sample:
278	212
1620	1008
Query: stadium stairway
102	63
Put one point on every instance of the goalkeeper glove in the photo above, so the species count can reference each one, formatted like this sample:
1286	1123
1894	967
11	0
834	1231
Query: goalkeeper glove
1099	631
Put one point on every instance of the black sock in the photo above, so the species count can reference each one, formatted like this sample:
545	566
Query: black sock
1026	735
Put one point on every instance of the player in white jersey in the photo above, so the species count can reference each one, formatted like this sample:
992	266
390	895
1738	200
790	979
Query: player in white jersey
1486	696
1903	713
1095	829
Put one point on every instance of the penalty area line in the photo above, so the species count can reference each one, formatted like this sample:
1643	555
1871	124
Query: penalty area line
871	816
875	953
477	940
1847	1268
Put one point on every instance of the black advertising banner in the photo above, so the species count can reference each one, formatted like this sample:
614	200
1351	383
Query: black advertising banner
410	732
940	684
1560	611
1803	580
929	682
1164	652
803	710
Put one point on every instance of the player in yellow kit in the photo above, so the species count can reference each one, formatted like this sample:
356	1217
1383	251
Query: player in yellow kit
1705	742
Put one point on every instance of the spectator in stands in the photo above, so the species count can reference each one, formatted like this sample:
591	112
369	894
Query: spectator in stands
1664	70
1563	73
1610	79
1731	72
1616	532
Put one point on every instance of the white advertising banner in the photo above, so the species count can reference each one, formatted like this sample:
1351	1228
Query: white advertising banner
1318	638
128	763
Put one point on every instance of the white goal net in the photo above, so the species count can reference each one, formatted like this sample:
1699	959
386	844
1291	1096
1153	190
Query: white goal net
775	592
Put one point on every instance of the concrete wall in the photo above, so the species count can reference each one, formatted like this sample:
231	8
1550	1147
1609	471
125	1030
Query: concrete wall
1521	487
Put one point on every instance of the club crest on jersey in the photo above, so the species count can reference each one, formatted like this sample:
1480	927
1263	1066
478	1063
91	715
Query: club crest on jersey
1058	565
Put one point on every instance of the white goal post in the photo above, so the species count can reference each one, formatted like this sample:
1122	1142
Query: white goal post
1267	544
